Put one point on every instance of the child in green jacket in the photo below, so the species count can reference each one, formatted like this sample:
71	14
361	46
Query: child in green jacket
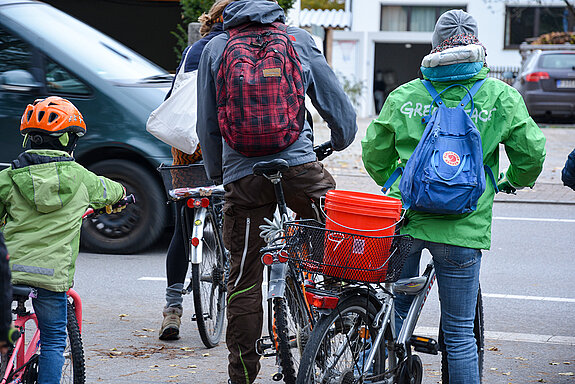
43	195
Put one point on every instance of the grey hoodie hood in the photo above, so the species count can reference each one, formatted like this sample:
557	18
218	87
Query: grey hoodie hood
252	11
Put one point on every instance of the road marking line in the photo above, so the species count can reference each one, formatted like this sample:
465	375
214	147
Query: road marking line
491	295
508	336
522	297
534	219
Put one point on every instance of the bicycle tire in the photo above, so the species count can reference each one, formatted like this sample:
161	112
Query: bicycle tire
291	328
74	369
354	316
478	332
208	284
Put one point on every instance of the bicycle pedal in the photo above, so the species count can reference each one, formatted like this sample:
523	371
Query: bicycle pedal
264	344
424	344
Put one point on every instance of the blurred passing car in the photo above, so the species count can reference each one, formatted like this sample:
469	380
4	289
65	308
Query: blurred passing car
547	83
43	52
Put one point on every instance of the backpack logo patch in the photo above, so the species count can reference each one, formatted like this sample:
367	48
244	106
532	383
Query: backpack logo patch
272	72
451	158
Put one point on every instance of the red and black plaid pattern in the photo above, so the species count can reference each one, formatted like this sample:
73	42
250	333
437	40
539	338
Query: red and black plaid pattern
260	90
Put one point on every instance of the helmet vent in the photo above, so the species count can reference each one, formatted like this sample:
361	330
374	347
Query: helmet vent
29	115
52	103
53	116
41	115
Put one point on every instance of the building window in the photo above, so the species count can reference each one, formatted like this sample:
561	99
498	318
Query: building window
396	18
527	23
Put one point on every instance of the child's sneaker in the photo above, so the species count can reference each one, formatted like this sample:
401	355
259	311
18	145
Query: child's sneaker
170	329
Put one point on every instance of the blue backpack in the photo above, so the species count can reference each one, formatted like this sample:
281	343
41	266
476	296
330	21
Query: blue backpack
445	174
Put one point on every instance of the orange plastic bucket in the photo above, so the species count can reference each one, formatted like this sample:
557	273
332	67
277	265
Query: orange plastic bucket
363	257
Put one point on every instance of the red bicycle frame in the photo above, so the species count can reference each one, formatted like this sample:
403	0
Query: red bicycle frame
20	354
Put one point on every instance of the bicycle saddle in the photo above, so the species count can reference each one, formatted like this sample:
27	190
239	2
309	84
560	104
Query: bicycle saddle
23	291
270	167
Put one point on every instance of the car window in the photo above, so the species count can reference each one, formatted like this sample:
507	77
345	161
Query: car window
102	54
558	61
60	80
14	53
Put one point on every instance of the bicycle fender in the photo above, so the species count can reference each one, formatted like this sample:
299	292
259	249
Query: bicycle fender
198	233
277	283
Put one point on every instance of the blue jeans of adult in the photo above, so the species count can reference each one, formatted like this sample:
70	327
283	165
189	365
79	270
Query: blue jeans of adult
50	308
457	272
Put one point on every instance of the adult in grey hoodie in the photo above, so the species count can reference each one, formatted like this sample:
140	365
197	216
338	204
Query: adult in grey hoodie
249	198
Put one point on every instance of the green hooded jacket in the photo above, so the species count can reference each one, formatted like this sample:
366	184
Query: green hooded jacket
500	116
42	198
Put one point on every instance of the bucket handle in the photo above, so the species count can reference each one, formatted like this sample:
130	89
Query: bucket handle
321	207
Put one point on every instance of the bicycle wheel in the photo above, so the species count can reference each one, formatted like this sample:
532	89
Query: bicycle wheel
478	330
74	370
291	328
4	357
208	284
340	344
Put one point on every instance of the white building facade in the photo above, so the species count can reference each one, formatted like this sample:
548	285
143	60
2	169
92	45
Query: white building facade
390	37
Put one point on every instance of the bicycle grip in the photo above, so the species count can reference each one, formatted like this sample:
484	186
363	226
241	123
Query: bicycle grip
130	199
323	150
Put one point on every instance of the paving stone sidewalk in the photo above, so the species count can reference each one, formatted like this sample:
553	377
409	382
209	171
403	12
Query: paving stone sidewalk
350	174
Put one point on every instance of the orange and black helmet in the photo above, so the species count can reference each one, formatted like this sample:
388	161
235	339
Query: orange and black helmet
52	115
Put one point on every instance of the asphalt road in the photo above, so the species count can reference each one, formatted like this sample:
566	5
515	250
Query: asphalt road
526	277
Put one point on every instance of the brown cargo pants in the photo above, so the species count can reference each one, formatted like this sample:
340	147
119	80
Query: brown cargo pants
248	201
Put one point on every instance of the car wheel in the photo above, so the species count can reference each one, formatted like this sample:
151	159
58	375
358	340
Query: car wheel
134	228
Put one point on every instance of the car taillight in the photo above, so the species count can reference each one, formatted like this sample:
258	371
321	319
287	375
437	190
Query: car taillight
321	301
536	76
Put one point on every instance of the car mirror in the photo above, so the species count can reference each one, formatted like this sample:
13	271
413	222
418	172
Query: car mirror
509	75
18	80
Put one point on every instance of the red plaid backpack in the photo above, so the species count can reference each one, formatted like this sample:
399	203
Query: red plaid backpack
260	90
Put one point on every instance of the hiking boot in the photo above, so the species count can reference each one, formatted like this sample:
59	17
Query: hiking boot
171	325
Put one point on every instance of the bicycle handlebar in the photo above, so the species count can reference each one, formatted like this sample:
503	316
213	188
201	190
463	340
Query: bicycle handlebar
130	199
323	150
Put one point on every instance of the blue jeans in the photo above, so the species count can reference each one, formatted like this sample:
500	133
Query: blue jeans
50	308
457	271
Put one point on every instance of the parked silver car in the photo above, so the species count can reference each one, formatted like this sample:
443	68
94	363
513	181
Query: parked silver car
547	83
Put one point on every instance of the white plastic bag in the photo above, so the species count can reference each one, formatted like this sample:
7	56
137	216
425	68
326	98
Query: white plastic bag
174	121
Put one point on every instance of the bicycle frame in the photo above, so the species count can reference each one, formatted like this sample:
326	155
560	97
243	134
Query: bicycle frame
20	355
194	230
418	286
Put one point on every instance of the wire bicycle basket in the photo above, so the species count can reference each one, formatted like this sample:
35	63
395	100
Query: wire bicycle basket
346	256
183	176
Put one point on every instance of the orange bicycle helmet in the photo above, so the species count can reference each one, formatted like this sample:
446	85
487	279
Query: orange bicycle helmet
52	115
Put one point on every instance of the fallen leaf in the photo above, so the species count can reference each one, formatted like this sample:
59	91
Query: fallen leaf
566	373
148	330
520	358
173	376
493	369
154	366
192	366
493	349
205	354
541	381
553	363
173	365
567	362
187	349
506	373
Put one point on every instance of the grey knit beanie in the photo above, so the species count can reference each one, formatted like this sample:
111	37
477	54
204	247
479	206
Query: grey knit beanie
453	23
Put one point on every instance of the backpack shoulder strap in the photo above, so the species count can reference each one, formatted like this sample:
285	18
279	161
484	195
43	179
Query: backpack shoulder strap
398	171
434	95
469	95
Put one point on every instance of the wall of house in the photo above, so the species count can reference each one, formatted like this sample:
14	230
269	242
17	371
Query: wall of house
366	36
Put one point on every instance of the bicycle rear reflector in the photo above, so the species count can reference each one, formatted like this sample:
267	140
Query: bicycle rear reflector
195	241
267	259
204	202
321	301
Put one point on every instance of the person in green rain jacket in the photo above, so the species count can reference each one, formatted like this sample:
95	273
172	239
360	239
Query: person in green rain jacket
43	195
455	241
